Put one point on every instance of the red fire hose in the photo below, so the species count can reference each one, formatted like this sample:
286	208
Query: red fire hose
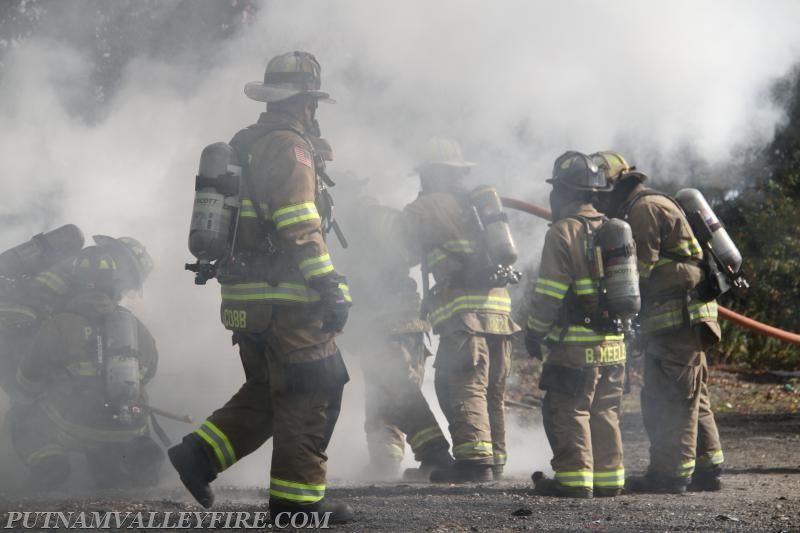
724	312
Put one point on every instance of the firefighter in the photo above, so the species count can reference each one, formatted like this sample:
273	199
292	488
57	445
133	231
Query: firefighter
471	317
84	377
677	329
391	344
583	371
284	303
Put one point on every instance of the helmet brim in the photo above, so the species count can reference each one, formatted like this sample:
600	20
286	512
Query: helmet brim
451	164
256	90
609	186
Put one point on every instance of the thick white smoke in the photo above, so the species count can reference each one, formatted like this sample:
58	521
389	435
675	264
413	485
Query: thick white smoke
517	82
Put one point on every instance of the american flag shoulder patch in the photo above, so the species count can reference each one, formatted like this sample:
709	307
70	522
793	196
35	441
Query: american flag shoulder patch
302	156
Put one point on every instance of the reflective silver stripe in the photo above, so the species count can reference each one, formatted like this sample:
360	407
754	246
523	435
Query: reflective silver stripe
476	302
539	326
580	334
218	442
473	450
585	286
247	209
552	288
579	478
610	478
710	459
297	492
424	436
315	267
294	214
282	292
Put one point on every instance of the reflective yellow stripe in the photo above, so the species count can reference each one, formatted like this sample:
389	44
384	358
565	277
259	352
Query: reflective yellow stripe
296	492
578	478
477	302
53	281
248	211
584	286
282	292
702	310
473	450
539	326
395	451
48	450
424	436
551	287
294	214
645	268
710	459
580	334
315	267
219	442
438	254
610	478
686	469
82	432
500	458
84	368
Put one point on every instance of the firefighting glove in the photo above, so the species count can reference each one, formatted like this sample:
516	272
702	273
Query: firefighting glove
533	344
335	307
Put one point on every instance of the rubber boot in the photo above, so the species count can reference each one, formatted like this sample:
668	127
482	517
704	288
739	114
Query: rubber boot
195	468
656	484
497	472
48	474
706	480
284	513
463	472
544	486
438	460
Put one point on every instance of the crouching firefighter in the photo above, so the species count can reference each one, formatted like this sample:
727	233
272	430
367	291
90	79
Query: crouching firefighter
281	296
85	377
679	285
462	238
586	290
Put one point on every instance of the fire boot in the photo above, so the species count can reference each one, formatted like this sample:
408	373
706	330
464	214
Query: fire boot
194	467
497	472
463	472
706	480
282	512
656	484
437	460
544	486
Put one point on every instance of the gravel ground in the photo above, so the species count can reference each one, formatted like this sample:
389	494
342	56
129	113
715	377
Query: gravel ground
761	493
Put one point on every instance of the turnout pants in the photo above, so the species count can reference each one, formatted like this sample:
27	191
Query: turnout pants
291	395
396	409
580	413
675	405
471	373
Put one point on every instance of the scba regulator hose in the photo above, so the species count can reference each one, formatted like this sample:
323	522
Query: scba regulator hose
724	312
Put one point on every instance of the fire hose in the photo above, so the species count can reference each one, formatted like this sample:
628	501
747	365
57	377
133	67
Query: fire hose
727	314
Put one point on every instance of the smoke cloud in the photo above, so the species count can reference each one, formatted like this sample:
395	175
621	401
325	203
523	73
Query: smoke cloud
517	82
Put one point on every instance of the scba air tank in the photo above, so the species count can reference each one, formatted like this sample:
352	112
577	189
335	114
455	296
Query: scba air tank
121	354
216	201
621	275
497	234
41	252
713	233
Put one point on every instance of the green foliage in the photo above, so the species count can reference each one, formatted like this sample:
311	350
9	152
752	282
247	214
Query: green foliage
764	222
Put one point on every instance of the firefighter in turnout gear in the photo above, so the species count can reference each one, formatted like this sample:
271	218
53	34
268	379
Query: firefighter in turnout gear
390	341
84	378
470	315
584	362
284	303
677	327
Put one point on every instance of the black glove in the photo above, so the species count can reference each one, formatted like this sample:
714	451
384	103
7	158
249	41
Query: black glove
335	307
533	344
